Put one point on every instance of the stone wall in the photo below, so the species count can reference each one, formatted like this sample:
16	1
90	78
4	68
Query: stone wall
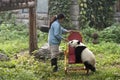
42	19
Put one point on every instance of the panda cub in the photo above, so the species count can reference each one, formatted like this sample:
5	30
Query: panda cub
83	54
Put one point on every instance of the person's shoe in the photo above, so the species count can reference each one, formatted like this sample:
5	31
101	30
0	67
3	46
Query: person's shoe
55	69
53	61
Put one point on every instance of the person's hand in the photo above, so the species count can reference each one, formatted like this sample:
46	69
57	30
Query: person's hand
65	39
70	31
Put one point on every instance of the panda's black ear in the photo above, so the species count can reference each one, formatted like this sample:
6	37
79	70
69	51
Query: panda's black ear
78	42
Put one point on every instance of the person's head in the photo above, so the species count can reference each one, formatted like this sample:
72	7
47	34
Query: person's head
59	17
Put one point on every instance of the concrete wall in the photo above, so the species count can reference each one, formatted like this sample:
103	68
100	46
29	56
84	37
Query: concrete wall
42	19
74	12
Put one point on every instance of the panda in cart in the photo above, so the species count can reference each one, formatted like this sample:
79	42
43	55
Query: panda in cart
83	54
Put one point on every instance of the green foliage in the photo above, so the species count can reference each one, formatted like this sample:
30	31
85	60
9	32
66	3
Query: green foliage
105	48
98	12
11	32
87	33
42	37
7	17
60	6
13	46
27	68
11	36
111	34
15	38
17	70
24	68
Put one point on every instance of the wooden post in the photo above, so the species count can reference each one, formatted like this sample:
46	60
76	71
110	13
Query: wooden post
32	30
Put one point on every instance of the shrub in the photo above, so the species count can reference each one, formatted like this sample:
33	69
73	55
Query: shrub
105	48
111	34
98	12
11	32
13	38
87	34
64	7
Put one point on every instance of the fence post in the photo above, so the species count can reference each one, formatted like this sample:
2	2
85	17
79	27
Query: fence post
32	30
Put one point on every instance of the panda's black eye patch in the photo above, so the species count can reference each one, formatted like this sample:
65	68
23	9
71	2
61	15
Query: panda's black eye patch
78	42
71	41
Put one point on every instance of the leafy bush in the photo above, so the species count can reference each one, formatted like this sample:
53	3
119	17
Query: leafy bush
11	31
98	12
111	34
42	38
105	47
60	6
25	67
13	38
7	17
87	34
16	74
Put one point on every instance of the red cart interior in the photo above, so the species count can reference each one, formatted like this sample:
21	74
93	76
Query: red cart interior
71	54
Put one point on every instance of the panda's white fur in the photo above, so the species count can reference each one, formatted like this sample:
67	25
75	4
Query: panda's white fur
86	54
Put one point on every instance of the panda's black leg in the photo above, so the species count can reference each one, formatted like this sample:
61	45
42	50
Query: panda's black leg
87	71
89	66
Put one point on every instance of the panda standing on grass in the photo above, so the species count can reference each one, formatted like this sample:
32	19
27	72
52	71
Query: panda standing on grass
83	54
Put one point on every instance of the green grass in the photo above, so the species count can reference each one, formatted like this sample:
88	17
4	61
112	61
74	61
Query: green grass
14	46
27	68
107	64
14	39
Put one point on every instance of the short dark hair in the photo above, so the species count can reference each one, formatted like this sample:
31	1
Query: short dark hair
60	16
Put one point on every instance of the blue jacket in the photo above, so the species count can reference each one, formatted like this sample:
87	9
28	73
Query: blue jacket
55	33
